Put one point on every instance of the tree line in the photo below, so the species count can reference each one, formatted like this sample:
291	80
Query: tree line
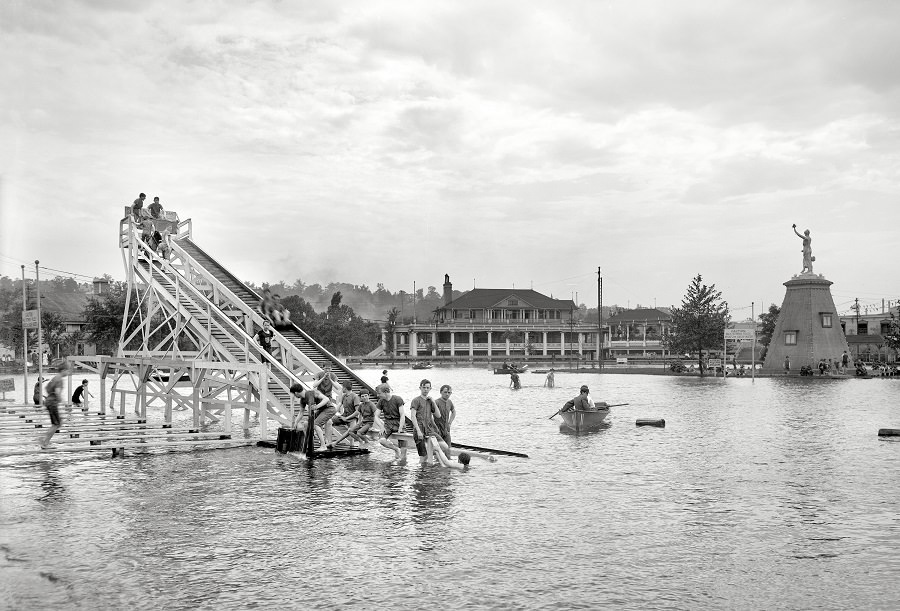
337	327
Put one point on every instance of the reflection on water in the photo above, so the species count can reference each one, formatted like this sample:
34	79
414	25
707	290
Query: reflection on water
51	483
768	494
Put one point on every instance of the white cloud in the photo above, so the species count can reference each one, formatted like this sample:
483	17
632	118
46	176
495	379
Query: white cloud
510	141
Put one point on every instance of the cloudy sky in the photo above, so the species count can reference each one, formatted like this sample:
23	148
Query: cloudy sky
507	144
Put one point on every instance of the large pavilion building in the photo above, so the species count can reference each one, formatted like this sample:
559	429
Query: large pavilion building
497	323
637	333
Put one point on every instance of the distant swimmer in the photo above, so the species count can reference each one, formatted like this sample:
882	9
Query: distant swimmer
550	381
444	452
514	382
463	459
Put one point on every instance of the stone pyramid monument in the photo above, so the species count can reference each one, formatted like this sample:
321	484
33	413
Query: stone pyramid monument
808	328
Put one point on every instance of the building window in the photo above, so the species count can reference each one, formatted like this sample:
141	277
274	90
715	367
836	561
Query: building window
790	338
862	328
885	328
472	314
513	302
826	320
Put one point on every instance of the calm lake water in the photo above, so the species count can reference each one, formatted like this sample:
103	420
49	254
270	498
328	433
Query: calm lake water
756	495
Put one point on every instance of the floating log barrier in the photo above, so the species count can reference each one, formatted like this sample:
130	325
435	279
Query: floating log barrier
889	432
658	422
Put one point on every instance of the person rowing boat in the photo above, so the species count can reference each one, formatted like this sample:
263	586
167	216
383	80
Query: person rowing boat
582	402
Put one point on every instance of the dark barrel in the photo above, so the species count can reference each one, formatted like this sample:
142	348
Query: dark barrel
289	440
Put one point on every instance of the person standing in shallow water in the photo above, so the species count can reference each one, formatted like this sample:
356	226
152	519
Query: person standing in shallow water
447	412
550	382
54	397
81	392
37	391
514	381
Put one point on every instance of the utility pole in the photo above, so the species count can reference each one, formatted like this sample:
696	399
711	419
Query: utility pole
40	344
600	318
25	333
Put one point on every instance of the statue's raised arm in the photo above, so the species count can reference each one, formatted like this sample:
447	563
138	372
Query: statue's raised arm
807	250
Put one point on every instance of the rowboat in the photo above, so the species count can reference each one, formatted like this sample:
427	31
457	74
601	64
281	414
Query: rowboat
422	365
585	420
510	369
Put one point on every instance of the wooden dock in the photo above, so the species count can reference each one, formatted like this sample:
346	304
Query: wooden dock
21	427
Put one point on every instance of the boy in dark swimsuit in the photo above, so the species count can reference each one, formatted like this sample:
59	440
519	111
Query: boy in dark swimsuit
264	337
81	391
391	407
423	412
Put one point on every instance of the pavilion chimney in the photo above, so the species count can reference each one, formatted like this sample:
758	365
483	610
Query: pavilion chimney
101	286
448	290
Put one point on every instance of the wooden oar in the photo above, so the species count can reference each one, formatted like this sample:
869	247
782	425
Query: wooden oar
604	407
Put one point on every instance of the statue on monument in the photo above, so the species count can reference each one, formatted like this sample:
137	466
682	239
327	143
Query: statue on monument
807	250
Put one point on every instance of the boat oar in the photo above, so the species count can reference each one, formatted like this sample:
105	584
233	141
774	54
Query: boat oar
604	406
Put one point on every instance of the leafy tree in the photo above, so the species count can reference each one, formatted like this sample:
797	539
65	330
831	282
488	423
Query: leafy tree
54	331
11	333
892	337
103	316
389	328
700	322
302	313
767	328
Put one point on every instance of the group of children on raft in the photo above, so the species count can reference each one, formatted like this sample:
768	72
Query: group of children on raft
430	418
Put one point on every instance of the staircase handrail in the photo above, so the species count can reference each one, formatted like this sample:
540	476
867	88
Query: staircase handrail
257	318
250	347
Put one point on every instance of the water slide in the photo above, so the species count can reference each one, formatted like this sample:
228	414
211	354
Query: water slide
302	352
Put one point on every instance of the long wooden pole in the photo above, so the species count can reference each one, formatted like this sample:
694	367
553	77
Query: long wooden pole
37	286
600	317
25	334
753	348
